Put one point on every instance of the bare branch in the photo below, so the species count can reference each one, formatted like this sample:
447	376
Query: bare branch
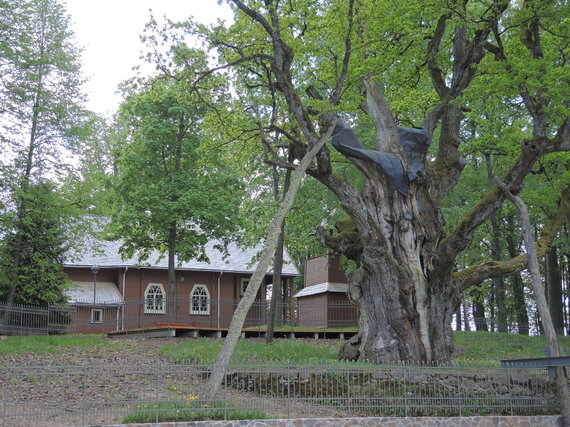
232	64
335	96
254	15
433	47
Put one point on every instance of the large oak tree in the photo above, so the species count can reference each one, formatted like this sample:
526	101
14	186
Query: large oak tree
441	65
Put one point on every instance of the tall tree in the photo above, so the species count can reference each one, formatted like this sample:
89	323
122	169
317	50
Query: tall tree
174	193
43	245
41	110
322	55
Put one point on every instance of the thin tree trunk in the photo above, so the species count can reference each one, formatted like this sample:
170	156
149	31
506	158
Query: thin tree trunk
478	311
269	246
458	319
171	294
277	266
276	290
466	326
498	282
541	303
554	284
517	282
22	197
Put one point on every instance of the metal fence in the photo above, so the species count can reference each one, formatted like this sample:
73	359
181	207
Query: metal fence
109	393
20	319
30	320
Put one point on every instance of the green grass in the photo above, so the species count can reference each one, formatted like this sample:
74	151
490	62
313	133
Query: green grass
190	411
489	348
205	350
49	343
485	349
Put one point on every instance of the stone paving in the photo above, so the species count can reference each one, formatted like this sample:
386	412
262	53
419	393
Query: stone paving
490	421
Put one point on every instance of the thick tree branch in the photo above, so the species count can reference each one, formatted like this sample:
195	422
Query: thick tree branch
561	141
253	14
387	138
462	236
487	269
467	54
346	193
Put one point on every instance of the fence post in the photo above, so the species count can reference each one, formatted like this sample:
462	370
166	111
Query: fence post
4	395
156	398
509	379
459	383
348	392
405	390
288	367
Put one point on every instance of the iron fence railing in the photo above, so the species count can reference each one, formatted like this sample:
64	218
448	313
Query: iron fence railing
110	393
19	319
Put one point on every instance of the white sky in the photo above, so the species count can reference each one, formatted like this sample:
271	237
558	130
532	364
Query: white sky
109	30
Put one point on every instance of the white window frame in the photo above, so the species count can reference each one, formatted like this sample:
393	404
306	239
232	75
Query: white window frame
156	308
100	316
243	284
200	287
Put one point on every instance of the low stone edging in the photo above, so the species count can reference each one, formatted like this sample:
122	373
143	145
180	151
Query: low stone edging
483	421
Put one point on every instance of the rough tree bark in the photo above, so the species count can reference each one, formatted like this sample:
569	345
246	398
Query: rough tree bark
542	305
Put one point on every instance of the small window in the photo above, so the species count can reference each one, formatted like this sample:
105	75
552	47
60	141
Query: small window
244	283
200	300
96	315
154	299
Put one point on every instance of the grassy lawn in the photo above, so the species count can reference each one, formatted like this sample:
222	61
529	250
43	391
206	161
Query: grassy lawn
471	348
50	343
489	348
205	350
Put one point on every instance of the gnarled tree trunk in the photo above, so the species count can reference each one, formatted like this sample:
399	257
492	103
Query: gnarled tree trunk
405	296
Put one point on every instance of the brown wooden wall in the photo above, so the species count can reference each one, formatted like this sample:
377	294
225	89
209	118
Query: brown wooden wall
137	280
323	269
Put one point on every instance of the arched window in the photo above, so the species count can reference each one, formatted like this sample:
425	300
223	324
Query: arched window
154	298
244	283
200	300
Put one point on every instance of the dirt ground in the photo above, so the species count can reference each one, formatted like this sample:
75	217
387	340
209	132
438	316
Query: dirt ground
100	385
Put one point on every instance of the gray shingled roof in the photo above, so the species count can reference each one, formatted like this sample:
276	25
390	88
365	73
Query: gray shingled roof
106	293
106	254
